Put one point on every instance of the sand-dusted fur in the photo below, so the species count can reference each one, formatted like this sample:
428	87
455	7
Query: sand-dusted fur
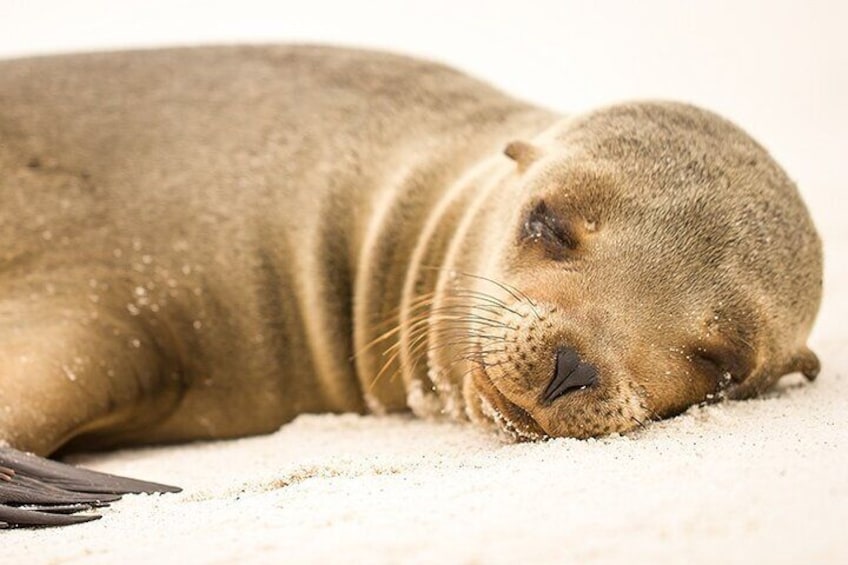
204	243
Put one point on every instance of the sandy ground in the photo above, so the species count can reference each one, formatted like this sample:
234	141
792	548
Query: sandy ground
761	481
756	481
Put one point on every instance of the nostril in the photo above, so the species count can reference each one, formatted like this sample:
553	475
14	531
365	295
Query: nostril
570	374
584	375
567	360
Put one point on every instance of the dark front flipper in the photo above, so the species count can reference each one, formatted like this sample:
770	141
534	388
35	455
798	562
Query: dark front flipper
39	492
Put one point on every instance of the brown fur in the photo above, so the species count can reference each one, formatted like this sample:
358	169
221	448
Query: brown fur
204	243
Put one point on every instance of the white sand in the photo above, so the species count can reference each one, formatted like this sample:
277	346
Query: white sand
757	481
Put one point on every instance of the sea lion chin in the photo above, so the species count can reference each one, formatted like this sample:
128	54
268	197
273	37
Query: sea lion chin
205	243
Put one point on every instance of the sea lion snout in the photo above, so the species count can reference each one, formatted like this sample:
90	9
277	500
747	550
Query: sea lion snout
547	374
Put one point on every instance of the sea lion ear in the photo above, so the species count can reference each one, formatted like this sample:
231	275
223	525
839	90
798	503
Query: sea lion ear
807	363
523	153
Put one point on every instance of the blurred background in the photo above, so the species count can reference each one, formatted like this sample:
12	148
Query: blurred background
777	68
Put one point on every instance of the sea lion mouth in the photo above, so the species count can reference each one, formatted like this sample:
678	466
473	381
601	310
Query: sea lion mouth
510	418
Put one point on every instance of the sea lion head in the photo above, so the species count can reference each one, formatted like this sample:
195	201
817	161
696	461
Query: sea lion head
657	258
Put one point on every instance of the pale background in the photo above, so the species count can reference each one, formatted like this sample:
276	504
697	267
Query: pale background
749	481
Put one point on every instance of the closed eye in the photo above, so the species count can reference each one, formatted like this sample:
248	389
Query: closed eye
543	226
723	368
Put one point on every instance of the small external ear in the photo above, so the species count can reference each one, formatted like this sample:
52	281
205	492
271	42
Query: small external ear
806	363
523	153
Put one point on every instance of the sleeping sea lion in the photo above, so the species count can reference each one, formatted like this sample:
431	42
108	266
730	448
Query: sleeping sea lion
204	243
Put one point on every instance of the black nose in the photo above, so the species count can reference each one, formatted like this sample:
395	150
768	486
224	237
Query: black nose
570	374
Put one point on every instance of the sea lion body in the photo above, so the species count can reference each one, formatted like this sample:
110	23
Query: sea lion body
205	243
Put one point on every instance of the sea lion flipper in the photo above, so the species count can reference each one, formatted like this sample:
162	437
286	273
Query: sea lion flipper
13	517
35	491
75	479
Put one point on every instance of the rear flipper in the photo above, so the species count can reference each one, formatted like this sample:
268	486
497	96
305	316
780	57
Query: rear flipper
39	492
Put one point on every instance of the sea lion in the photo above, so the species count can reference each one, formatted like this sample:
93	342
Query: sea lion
204	243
